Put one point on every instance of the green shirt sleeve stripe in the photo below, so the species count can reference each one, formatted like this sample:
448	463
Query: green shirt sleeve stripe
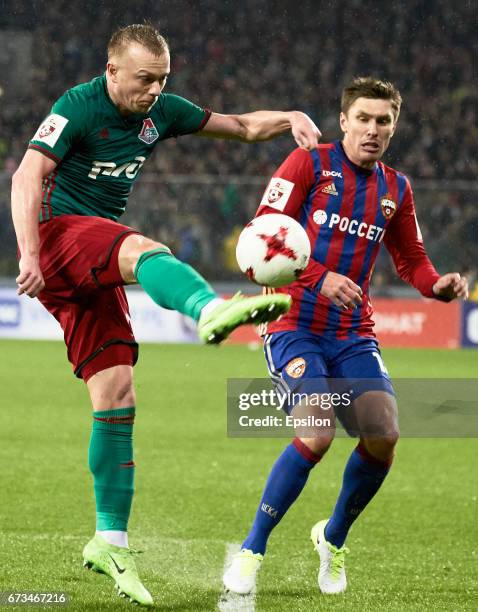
45	152
207	114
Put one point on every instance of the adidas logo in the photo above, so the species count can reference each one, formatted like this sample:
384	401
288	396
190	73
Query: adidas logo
330	189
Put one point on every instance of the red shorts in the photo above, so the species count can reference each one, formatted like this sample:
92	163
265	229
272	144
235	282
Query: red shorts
84	290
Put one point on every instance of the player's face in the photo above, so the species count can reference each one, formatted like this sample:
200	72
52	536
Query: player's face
137	77
368	126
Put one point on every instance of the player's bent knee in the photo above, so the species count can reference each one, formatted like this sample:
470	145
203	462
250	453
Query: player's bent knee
131	250
382	448
319	444
112	388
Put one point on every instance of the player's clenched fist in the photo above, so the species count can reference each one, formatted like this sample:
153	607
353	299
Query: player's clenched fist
451	286
341	291
30	280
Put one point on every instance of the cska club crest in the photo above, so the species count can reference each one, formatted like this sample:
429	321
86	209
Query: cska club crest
389	208
148	133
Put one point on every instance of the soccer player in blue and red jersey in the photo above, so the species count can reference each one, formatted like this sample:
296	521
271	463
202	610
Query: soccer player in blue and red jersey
349	203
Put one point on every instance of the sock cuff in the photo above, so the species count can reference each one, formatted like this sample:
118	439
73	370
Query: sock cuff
305	452
117	416
147	255
196	302
366	456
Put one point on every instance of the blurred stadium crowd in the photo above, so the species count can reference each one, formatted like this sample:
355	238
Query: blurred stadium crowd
239	56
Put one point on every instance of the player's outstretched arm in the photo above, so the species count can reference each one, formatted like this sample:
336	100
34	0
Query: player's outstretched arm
451	286
263	125
26	200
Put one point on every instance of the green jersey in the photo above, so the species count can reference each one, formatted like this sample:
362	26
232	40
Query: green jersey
99	152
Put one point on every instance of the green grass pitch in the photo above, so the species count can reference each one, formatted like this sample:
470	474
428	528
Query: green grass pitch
414	548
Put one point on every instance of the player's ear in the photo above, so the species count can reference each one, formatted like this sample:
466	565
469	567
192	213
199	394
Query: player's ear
343	122
111	70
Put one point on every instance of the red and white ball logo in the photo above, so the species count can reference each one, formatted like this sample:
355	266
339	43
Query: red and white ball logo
46	130
50	130
275	193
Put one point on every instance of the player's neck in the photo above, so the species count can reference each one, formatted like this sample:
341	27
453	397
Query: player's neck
123	111
360	163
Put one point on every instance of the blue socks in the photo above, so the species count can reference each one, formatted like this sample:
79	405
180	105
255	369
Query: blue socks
286	480
363	476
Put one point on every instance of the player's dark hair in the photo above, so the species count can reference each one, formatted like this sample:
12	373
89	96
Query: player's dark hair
144	34
369	87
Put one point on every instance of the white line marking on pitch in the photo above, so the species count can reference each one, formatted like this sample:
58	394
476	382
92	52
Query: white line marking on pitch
230	602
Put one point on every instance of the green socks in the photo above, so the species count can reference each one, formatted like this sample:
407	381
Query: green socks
173	284
111	463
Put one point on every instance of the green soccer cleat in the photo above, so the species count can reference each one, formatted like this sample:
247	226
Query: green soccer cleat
239	310
118	563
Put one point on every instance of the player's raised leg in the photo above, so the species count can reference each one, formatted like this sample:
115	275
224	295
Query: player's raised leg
177	286
112	465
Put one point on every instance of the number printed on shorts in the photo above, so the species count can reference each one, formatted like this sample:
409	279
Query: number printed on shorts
378	357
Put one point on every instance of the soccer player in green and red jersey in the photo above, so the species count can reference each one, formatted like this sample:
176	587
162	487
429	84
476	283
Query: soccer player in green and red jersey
67	195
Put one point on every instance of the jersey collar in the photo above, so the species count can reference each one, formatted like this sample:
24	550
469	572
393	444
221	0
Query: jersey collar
339	148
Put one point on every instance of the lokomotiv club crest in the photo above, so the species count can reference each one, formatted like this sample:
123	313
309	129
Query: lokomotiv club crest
148	133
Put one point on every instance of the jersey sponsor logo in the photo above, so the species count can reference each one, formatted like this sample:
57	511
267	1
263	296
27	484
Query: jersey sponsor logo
277	193
319	217
50	130
272	512
332	173
389	208
130	169
296	367
375	233
330	189
148	133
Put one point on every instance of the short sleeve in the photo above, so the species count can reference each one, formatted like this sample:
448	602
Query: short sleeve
62	128
183	116
290	185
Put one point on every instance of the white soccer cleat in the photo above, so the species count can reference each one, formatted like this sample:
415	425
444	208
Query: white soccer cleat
240	577
331	577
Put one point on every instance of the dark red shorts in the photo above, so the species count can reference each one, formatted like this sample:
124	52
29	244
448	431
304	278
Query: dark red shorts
84	290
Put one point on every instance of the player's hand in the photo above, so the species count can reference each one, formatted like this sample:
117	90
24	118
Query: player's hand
30	280
304	130
342	291
451	286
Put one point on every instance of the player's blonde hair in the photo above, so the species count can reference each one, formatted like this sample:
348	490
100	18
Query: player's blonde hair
143	34
370	87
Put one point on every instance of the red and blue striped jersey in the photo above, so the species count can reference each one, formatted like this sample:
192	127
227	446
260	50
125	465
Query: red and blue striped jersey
347	212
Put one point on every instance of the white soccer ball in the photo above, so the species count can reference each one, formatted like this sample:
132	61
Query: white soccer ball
273	250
